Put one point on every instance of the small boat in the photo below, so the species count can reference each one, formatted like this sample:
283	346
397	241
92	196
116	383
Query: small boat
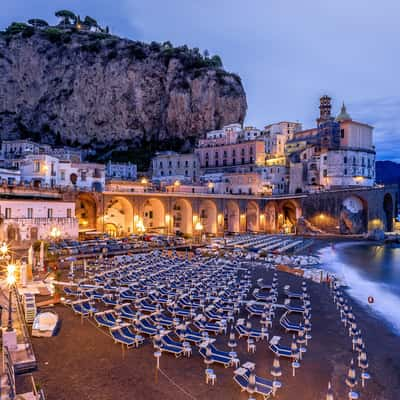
45	324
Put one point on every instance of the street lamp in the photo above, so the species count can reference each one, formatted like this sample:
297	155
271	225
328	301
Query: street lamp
10	283
198	228
3	249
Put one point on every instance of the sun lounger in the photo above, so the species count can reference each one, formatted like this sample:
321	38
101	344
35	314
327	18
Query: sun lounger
289	326
120	338
281	351
105	318
215	358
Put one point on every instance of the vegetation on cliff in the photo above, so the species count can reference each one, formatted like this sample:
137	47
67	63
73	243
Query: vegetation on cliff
76	83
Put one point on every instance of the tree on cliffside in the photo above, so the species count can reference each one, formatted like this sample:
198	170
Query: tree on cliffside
90	22
37	22
67	17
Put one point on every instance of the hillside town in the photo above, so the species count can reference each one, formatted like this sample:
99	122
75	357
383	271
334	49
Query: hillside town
280	159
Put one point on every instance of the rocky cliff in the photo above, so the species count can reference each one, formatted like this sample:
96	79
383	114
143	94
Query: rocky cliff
70	86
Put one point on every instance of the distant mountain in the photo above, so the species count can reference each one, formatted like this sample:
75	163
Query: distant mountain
387	172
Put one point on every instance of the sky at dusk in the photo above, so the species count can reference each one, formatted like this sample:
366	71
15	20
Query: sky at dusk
288	52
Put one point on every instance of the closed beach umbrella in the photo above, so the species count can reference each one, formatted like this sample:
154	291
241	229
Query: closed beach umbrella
232	343
329	393
276	368
41	254
251	387
351	380
363	360
30	256
294	348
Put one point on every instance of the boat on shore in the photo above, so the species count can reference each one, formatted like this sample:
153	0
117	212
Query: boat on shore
45	324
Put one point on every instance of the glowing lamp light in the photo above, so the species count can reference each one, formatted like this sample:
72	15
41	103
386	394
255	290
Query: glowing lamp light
210	185
167	218
4	249
10	274
199	226
144	181
177	183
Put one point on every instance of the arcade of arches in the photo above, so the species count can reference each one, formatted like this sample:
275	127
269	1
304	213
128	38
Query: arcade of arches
121	215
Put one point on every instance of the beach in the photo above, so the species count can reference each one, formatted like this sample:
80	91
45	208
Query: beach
82	362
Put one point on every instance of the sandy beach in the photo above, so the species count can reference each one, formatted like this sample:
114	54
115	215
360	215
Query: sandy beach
82	362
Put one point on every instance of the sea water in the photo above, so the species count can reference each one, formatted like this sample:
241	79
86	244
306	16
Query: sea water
370	271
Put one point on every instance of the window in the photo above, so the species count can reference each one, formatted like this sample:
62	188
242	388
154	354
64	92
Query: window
186	173
49	213
161	164
342	133
242	160
36	166
8	213
69	213
30	213
345	171
83	176
325	173
216	154
345	160
62	175
234	161
178	164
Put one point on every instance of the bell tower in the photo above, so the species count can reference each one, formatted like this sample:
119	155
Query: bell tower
325	108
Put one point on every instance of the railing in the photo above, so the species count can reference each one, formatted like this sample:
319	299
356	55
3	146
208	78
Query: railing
39	220
24	329
10	373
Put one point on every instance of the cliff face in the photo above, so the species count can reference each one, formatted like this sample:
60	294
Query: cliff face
87	87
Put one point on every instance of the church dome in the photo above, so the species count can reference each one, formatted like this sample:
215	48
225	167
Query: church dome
343	115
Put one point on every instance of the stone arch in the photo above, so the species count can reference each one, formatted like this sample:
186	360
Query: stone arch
353	215
270	224
154	217
232	217
86	212
388	212
111	229
252	217
118	211
182	216
208	216
287	218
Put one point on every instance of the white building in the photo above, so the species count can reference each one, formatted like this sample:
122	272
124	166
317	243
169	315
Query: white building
43	170
10	176
169	166
25	220
121	171
276	135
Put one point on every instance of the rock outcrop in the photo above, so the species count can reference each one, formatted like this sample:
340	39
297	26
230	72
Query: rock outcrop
90	88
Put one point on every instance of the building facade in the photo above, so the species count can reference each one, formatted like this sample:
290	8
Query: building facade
126	171
25	220
169	167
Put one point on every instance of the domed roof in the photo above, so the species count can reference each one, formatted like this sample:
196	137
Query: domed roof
343	115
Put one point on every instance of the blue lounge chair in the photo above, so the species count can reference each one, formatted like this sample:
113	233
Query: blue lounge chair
120	338
102	319
216	358
260	389
281	351
289	326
